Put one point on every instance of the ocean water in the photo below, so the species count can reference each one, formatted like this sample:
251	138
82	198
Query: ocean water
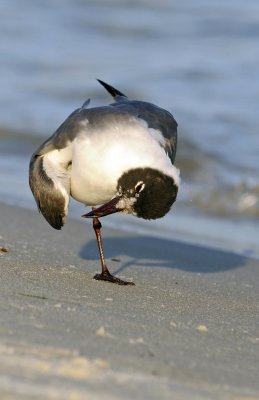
197	59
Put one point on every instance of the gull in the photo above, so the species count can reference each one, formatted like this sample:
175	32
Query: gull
119	157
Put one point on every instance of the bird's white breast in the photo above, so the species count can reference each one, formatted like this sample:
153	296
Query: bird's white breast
100	157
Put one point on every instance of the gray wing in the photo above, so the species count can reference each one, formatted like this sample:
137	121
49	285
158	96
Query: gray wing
52	201
156	118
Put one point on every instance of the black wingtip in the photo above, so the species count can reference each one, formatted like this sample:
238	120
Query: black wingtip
114	92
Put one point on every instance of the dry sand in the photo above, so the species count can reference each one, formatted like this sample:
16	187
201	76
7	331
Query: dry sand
187	330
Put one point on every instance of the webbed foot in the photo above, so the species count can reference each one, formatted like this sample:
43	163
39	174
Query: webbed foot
110	278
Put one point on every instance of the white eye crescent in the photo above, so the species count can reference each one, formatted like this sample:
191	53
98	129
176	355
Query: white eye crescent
139	187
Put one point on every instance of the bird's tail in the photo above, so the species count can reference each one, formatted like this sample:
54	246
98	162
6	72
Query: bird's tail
114	92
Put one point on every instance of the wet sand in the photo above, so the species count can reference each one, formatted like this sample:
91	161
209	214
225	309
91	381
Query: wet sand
187	330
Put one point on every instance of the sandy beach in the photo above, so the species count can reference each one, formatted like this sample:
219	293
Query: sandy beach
188	329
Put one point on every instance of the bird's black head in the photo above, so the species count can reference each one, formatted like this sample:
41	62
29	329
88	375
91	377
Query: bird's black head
146	193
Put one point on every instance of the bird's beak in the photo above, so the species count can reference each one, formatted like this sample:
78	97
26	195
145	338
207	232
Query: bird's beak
105	209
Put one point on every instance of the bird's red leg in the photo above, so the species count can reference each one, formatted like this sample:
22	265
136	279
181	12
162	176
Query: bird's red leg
97	228
105	274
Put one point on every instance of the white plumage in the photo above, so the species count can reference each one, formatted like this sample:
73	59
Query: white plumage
121	155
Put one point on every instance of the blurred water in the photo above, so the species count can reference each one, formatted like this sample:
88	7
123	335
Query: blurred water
197	59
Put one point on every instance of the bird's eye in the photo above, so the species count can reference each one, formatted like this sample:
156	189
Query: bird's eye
139	187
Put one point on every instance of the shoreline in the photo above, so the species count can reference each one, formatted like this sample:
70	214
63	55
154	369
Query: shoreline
178	333
237	236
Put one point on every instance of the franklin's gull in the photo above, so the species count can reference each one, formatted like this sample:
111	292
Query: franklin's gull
120	155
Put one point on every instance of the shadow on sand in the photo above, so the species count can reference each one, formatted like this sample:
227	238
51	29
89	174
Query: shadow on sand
153	252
